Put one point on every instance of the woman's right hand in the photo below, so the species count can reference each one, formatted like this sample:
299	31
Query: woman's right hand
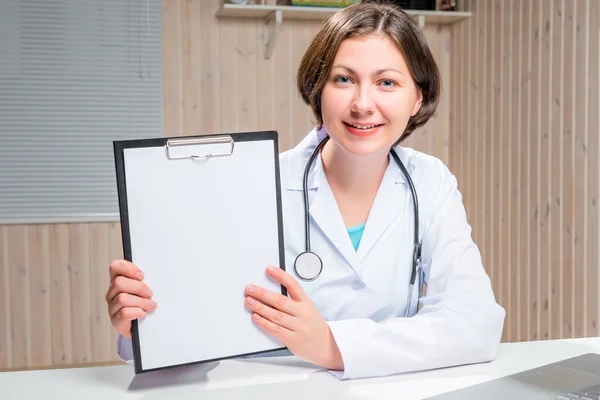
128	297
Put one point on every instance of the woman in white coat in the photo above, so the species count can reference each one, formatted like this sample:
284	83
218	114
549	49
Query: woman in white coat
370	80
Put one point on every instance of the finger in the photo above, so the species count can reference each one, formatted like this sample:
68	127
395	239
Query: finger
122	320
125	268
275	300
122	284
123	300
277	317
293	287
281	333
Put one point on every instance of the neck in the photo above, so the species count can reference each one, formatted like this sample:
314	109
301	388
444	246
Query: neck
353	175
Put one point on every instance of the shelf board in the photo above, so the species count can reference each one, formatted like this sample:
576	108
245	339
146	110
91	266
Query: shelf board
319	13
273	17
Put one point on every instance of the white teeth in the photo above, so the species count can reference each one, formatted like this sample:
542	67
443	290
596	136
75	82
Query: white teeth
363	127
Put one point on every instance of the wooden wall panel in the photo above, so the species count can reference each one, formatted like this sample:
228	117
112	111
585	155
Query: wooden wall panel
53	281
53	277
525	85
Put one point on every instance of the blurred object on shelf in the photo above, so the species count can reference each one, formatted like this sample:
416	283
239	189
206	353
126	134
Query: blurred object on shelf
323	3
448	5
261	2
410	4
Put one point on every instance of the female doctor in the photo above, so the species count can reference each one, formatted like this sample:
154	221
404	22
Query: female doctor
382	219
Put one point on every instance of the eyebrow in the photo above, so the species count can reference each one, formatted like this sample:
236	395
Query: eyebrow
378	72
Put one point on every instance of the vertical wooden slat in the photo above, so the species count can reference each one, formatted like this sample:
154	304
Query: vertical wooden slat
60	294
546	160
191	72
210	92
535	171
593	128
497	134
523	194
99	243
5	318
461	117
453	86
284	93
506	162
39	294
115	253
568	177
229	99
487	135
247	70
514	167
172	96
301	36
556	305
19	293
478	125
81	315
464	106
472	142
580	145
440	141
466	29
422	138
265	94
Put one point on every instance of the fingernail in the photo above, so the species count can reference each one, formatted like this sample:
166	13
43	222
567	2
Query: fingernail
250	288
153	304
139	275
250	301
270	268
149	292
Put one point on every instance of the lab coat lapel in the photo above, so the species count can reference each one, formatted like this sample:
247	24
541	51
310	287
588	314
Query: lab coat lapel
389	201
326	215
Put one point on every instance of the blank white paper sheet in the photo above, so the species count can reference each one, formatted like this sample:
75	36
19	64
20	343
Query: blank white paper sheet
201	230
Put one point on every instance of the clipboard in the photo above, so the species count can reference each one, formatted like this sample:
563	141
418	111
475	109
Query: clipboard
202	217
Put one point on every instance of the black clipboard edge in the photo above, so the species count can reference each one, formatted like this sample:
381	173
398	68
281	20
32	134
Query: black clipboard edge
119	147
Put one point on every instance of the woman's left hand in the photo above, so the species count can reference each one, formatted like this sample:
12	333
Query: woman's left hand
294	320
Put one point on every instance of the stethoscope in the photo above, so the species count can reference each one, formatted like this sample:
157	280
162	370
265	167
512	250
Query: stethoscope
308	265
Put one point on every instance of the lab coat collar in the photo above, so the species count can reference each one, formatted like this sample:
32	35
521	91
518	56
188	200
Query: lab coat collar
389	201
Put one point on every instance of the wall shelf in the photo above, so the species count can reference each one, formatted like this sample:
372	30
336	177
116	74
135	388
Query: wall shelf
274	15
319	13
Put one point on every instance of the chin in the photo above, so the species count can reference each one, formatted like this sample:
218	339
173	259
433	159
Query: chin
365	148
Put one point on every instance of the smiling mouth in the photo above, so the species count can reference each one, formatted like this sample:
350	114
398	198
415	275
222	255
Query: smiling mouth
363	127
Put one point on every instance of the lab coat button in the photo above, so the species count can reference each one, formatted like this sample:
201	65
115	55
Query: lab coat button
356	285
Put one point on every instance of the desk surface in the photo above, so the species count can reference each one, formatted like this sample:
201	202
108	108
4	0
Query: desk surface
276	378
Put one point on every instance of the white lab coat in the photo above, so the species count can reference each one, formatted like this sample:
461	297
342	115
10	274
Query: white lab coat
363	294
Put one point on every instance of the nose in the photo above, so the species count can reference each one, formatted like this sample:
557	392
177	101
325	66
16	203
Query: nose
363	101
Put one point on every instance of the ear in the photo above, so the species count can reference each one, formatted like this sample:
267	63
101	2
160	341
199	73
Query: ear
418	102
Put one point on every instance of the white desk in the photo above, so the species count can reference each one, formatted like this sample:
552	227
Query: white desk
275	378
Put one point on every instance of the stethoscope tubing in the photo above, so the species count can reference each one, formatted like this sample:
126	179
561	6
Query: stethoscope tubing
416	244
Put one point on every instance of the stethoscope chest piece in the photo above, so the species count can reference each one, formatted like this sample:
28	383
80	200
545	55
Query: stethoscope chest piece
308	266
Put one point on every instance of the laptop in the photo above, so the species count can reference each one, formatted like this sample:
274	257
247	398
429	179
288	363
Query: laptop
572	378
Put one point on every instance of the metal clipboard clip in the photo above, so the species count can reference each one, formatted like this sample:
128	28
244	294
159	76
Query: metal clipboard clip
172	144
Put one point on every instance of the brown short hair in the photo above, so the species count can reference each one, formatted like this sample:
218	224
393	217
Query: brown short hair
360	20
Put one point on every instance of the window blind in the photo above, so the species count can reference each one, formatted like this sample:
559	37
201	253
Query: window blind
74	76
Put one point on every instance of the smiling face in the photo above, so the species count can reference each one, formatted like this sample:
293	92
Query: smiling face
369	95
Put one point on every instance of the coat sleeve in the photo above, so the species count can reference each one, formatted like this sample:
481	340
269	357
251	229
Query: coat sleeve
125	349
459	322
